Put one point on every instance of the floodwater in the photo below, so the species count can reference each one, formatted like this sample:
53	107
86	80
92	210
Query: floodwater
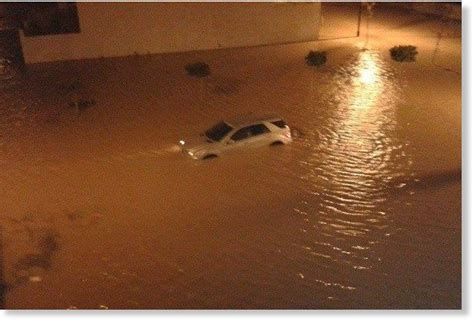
99	209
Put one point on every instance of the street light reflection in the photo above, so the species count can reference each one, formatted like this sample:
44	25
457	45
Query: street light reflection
368	69
367	76
361	155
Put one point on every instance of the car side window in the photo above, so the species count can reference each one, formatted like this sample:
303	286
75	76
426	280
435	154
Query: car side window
249	131
241	134
258	129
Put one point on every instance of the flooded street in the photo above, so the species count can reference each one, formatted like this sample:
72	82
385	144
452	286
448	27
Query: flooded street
100	209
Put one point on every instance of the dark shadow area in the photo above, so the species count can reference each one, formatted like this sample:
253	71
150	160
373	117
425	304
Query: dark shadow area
430	181
3	285
438	179
47	245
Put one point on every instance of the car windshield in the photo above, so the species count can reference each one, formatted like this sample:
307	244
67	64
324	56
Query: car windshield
218	131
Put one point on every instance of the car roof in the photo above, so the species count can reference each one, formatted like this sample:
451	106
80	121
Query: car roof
250	119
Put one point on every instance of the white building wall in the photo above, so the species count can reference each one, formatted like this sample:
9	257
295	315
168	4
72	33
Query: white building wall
121	29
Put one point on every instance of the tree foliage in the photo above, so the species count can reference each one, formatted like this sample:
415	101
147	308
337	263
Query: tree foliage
316	58
198	69
403	53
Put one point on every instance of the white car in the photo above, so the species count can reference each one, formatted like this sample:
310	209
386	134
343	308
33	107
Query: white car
235	134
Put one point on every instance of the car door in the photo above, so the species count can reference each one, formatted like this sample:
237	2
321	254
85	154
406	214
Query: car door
249	136
240	138
259	135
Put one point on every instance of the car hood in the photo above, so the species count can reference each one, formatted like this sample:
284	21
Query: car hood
196	143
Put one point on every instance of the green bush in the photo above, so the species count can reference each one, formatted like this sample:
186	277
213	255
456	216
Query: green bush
316	58
403	53
198	69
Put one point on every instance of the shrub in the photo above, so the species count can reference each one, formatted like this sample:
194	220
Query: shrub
316	58
403	53
198	69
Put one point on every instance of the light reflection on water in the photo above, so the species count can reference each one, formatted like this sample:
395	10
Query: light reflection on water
357	156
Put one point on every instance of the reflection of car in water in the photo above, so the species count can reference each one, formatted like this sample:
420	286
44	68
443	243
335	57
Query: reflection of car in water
238	133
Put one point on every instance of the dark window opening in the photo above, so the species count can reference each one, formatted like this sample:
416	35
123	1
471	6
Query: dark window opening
41	19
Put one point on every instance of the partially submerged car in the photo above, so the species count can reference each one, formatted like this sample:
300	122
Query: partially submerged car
236	134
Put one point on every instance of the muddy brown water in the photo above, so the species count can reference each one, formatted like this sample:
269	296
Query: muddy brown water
99	209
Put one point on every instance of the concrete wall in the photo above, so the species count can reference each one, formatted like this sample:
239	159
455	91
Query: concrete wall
121	29
448	10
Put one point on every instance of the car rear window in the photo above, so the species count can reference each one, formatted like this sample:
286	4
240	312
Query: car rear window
280	123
